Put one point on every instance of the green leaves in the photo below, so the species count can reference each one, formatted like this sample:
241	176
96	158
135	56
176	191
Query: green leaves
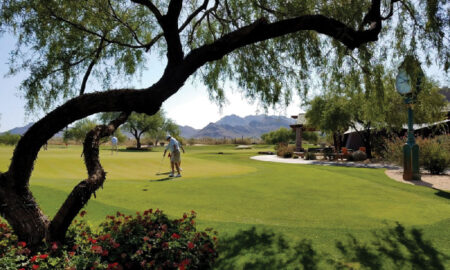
58	41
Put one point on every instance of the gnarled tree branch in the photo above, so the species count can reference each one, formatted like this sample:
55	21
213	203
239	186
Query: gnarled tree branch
91	65
81	194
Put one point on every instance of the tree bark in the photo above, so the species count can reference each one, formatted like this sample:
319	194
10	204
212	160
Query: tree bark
138	142
81	194
23	214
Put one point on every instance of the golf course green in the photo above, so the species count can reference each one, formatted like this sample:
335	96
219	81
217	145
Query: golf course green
230	192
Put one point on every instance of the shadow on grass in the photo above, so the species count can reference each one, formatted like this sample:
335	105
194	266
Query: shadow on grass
133	150
162	179
443	194
392	248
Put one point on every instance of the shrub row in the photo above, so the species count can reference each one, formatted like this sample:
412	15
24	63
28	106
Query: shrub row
434	153
148	241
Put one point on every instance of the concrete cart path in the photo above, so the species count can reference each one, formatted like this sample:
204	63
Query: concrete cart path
275	158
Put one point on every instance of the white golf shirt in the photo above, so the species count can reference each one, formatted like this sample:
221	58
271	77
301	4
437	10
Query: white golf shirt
173	145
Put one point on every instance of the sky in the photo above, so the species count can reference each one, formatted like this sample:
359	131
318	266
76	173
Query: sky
189	106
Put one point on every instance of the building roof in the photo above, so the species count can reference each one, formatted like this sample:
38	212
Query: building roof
301	120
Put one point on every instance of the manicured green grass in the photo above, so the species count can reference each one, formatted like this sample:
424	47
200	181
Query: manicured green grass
231	192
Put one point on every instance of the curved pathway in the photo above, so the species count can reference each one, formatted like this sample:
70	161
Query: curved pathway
441	182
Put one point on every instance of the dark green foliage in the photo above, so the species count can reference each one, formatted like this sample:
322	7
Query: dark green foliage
434	156
433	152
310	136
359	156
64	38
285	151
282	135
148	241
79	130
9	139
310	156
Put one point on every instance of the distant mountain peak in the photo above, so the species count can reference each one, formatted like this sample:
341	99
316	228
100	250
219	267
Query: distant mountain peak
234	126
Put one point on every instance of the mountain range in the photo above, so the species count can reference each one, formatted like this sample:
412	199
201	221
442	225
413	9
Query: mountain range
230	126
233	126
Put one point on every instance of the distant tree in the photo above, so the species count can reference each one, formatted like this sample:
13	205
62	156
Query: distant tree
282	135
330	114
9	139
79	130
138	124
160	133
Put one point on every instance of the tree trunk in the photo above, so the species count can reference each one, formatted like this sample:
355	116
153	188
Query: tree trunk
138	142
21	211
368	143
81	194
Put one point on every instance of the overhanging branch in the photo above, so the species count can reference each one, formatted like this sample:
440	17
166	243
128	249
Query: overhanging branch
81	194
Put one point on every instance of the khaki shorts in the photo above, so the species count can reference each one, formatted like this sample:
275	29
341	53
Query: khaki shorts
175	156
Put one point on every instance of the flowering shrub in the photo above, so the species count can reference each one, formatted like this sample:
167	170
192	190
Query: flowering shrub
285	151
148	241
434	153
359	156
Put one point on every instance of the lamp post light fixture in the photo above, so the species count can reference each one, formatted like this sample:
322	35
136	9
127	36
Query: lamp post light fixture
404	86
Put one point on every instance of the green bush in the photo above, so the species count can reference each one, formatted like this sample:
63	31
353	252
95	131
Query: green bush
359	156
434	153
148	241
310	156
285	151
310	136
282	135
9	139
434	158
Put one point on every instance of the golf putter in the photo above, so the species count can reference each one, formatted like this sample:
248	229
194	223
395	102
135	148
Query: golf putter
160	164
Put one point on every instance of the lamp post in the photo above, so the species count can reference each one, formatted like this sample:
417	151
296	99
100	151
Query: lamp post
411	169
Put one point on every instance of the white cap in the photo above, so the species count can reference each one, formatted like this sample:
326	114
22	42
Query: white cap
168	136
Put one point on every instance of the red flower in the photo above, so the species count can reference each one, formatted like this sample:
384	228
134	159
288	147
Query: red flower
71	253
116	245
105	253
35	267
146	238
22	269
54	246
22	244
97	249
33	259
43	256
176	236
82	213
190	245
113	265
165	245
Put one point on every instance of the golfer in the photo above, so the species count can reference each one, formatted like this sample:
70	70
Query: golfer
114	144
175	159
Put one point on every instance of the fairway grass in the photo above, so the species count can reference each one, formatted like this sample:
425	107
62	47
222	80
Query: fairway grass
231	192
